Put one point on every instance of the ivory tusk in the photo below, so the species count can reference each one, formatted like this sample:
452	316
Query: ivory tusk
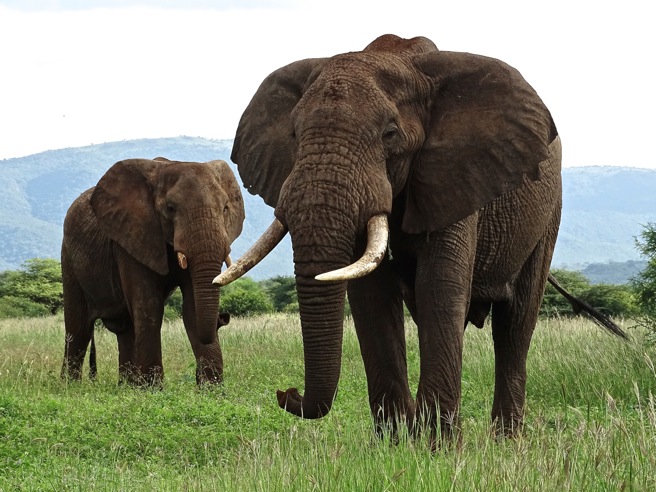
228	261
256	253
377	237
182	260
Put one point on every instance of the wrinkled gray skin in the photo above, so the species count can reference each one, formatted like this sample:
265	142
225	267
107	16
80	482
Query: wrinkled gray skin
119	261
465	159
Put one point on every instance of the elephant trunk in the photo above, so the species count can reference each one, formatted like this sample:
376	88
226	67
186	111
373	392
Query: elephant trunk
317	249
206	297
207	255
322	311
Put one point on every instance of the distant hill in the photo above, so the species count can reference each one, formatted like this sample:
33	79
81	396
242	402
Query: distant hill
604	208
613	272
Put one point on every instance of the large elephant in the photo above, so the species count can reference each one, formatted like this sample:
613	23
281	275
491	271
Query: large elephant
148	227
441	171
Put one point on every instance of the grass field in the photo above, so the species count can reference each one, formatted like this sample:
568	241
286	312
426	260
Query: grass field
590	418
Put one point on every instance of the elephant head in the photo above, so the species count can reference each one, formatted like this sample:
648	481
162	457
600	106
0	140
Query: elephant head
160	211
399	130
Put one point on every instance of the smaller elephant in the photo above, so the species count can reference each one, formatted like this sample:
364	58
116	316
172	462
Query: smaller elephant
148	227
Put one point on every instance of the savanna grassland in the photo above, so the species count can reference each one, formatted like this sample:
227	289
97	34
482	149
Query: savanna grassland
590	422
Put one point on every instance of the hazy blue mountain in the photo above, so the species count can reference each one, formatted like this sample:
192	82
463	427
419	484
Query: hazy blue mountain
604	208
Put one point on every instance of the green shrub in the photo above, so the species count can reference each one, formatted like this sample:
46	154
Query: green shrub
245	297
612	300
553	303
19	307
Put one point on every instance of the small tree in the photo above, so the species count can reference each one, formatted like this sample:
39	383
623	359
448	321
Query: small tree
282	292
39	280
644	284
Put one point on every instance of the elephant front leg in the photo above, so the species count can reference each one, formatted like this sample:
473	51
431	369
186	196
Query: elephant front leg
377	309
148	365
144	292
443	289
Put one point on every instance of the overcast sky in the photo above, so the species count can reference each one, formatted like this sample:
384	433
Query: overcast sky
75	73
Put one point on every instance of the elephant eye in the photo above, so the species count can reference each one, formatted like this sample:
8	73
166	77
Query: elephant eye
390	131
226	209
170	208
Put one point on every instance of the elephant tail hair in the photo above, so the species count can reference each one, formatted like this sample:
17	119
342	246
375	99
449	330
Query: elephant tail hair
579	306
93	369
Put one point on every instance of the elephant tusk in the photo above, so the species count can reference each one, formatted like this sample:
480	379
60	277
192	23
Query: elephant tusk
377	237
182	260
228	261
256	253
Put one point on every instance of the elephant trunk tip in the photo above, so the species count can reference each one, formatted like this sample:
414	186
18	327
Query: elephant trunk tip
293	402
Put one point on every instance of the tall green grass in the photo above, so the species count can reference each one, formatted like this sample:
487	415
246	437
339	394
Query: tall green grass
590	418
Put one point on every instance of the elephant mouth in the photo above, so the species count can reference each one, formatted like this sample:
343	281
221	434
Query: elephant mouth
377	239
182	260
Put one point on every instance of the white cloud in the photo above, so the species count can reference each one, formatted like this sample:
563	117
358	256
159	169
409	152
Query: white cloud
74	77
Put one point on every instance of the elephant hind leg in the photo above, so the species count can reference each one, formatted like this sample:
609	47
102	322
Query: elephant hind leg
79	331
75	349
513	323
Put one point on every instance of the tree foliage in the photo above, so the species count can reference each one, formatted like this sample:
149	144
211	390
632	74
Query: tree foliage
644	284
282	292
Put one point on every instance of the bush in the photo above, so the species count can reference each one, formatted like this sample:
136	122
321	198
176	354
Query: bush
553	303
612	300
19	307
245	297
173	306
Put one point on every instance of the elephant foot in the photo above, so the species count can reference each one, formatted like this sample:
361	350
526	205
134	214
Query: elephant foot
390	420
442	432
507	428
151	378
208	377
71	374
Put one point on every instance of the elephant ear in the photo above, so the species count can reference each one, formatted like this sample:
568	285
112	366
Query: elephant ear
234	222
264	144
488	130
124	205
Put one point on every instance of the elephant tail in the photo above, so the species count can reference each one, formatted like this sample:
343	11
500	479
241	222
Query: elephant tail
579	306
93	369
